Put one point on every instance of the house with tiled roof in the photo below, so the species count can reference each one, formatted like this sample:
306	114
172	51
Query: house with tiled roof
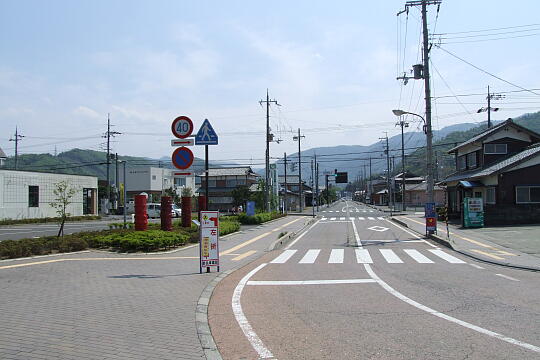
502	166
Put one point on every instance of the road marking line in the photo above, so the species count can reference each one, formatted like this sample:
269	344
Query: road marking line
244	255
505	253
310	256
351	218
371	218
451	259
324	218
332	218
302	235
336	256
252	337
310	282
363	257
341	218
487	254
447	317
476	266
239	246
356	236
361	218
96	259
410	233
380	218
417	256
390	256
507	277
283	257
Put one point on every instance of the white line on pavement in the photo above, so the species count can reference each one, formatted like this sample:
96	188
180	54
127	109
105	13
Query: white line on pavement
390	256
281	259
447	317
310	256
301	235
356	236
417	256
507	277
311	282
336	256
410	233
476	266
451	259
252	337
363	257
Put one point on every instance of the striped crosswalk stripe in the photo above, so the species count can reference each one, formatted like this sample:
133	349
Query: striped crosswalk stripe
416	255
363	257
451	259
286	255
310	256
390	256
336	256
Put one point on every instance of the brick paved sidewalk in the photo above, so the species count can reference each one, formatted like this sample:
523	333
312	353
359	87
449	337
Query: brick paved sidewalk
99	305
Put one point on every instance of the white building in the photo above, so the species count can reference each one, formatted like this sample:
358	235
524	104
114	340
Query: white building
154	180
28	194
3	157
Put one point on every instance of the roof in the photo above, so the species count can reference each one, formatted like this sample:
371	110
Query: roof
231	171
493	130
500	166
2	154
419	187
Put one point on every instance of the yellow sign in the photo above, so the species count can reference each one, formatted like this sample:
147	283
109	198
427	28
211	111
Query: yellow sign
205	246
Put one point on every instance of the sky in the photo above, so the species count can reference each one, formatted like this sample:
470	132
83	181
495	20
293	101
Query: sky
332	67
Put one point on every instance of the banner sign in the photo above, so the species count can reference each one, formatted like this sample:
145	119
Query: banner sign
209	239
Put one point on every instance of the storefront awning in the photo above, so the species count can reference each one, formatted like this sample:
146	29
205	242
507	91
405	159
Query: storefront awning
470	184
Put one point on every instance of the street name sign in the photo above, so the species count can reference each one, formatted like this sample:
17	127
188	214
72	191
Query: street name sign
182	127
206	135
209	240
182	158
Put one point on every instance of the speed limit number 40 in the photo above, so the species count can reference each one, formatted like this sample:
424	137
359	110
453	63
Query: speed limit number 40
182	127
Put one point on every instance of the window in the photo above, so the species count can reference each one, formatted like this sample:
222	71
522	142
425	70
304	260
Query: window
180	181
33	196
153	177
462	163
471	160
490	195
490	149
527	194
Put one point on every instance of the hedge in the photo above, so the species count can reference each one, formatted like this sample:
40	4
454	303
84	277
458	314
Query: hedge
48	220
150	240
228	227
258	218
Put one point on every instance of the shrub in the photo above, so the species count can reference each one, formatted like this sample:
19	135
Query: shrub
150	240
258	218
227	227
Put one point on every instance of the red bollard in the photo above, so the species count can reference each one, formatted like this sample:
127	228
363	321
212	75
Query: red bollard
186	211
166	213
141	218
202	203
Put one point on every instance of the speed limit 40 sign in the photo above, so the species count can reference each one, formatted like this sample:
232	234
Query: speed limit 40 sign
182	127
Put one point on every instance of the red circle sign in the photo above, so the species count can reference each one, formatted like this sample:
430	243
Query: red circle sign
182	158
182	127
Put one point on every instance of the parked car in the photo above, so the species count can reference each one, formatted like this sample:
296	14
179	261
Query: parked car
176	211
153	210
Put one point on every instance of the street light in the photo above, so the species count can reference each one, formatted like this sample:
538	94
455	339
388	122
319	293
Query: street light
429	151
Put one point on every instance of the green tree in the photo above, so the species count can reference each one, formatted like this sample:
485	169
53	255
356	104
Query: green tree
63	192
241	195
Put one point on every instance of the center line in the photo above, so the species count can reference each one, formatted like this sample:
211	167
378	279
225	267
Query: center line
507	277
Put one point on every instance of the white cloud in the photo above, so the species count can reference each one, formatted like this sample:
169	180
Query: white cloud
87	112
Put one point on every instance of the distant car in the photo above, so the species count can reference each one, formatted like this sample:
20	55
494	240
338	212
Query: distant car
153	210
176	211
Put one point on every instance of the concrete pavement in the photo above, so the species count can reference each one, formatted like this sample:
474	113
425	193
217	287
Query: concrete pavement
109	306
388	293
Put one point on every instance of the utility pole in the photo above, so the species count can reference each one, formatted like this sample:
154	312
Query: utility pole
317	181
286	187
312	180
403	124
116	187
489	109
370	182
108	135
299	139
17	138
387	152
269	138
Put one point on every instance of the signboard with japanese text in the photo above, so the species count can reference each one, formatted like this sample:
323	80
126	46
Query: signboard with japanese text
209	240
473	212
430	213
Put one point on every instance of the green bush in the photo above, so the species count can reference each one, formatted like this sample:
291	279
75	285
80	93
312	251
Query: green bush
41	246
228	227
150	240
258	218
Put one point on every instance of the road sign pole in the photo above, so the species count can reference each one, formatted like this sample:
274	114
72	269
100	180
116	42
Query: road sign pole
207	177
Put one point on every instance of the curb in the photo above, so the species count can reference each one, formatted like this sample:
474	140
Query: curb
444	242
286	238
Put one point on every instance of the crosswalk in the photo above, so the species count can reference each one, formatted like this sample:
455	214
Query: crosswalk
343	218
350	211
366	256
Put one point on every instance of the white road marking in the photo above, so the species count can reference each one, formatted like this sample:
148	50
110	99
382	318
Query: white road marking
302	235
324	211
356	236
390	256
371	218
310	256
451	259
332	218
417	256
507	277
380	218
323	218
311	282
341	218
252	337
281	259
477	266
410	233
363	257
447	317
361	218
336	256
351	218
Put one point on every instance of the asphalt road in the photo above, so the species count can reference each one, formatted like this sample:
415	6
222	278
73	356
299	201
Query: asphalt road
381	293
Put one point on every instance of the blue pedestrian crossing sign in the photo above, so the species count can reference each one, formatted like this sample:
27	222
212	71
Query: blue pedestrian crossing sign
206	135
